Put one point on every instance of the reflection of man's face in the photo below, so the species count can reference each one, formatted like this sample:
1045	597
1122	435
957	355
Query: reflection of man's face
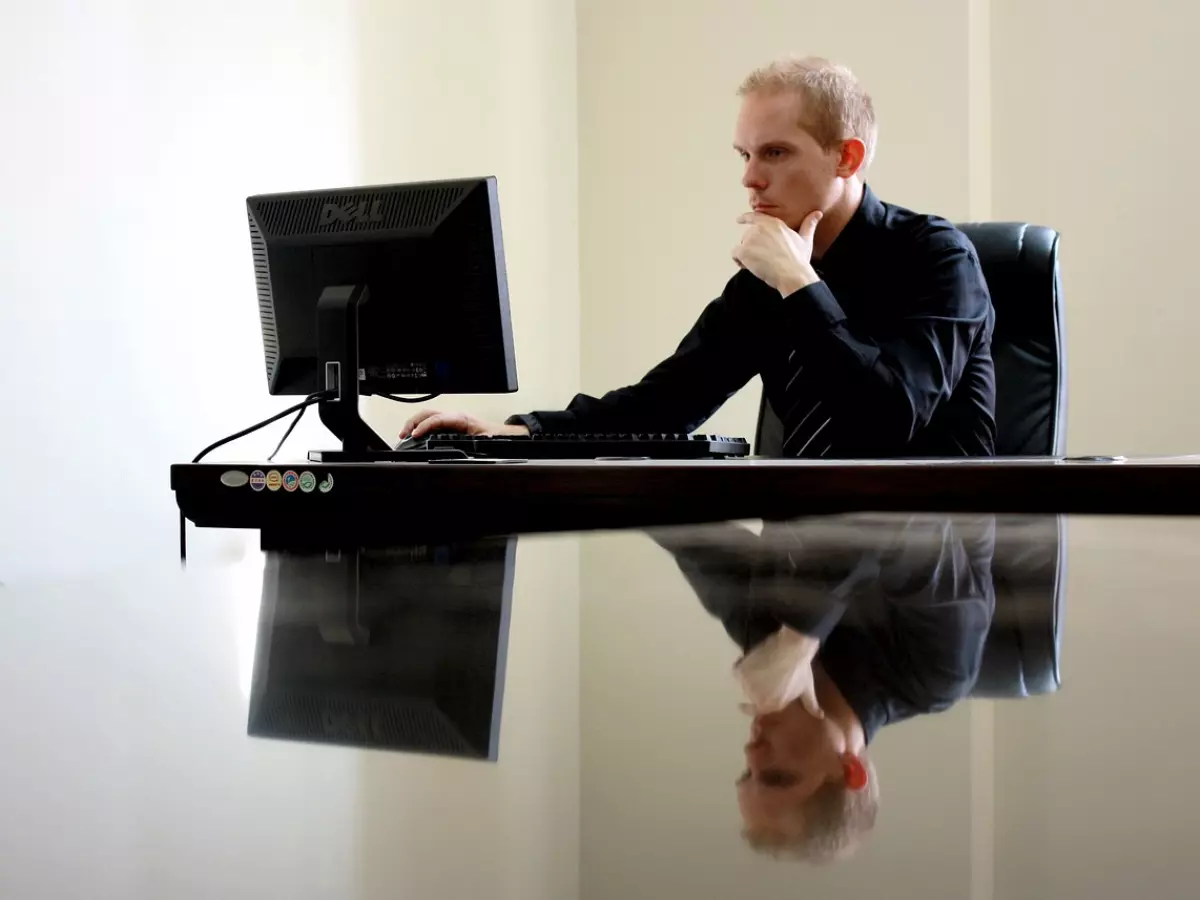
790	755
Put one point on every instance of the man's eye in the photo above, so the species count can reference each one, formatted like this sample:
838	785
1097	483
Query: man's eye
774	153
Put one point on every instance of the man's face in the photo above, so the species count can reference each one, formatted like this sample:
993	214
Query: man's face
787	173
789	756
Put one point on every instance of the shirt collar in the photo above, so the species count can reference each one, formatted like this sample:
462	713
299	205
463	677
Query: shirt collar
844	248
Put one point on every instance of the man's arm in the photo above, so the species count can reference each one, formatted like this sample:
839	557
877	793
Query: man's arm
713	361
887	387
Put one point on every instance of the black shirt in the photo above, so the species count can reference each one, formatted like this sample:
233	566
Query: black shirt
901	605
911	640
899	330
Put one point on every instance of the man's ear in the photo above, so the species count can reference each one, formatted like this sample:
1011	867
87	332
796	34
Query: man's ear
854	772
854	154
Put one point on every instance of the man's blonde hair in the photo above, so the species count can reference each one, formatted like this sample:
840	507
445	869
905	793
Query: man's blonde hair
829	826
835	106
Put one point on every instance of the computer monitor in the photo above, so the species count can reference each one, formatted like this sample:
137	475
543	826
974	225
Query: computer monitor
402	287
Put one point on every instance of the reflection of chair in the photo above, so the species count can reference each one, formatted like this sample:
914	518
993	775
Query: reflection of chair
1021	653
1020	265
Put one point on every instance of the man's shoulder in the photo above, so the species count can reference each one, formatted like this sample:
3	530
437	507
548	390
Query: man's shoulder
909	228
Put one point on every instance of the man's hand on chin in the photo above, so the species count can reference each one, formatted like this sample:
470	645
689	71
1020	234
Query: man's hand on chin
775	253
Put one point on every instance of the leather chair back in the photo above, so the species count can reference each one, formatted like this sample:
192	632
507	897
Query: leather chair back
1020	265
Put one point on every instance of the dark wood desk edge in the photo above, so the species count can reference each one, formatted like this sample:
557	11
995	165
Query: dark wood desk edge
434	501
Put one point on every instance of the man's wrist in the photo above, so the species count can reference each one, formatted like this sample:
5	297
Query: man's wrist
798	280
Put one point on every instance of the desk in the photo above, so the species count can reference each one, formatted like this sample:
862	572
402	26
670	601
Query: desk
400	501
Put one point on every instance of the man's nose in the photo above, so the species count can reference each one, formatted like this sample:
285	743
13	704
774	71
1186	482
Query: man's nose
752	180
758	753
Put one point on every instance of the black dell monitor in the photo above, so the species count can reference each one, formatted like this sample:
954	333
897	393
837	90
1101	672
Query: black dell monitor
389	289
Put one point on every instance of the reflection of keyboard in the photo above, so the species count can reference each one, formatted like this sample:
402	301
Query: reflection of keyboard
588	446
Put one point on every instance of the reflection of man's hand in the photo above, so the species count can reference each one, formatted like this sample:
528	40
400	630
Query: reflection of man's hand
778	672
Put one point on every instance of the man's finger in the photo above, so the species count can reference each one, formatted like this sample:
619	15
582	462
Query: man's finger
755	218
809	700
808	227
439	422
415	421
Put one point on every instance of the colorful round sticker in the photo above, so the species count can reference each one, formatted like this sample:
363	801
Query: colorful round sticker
274	480
291	481
258	480
308	481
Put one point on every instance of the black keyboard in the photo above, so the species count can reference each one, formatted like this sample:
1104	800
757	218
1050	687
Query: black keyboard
585	446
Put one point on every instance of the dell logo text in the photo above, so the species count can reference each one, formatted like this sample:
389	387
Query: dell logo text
367	211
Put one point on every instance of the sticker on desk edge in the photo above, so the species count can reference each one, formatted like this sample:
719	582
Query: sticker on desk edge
291	481
308	481
234	478
327	485
258	480
274	480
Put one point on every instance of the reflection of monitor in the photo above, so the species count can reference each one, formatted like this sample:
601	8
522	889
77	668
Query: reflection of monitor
399	648
391	289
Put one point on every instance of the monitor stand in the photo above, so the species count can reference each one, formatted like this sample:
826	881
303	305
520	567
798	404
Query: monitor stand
337	357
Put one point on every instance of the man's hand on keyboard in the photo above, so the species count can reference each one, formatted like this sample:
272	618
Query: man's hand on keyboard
430	420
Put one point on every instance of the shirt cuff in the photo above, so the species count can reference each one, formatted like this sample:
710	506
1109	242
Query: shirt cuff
558	421
813	306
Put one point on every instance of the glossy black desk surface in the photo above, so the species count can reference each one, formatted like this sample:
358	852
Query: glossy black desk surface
554	716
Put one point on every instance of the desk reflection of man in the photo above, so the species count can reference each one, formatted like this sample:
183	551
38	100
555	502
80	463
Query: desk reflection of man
846	625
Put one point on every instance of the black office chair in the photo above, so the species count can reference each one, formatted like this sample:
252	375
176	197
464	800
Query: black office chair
1020	265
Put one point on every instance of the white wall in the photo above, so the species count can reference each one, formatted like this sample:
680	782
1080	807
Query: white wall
134	132
1091	136
129	309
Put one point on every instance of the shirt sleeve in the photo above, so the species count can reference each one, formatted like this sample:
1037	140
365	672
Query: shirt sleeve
886	387
712	363
752	585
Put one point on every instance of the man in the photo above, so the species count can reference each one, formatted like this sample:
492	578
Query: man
871	325
846	625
